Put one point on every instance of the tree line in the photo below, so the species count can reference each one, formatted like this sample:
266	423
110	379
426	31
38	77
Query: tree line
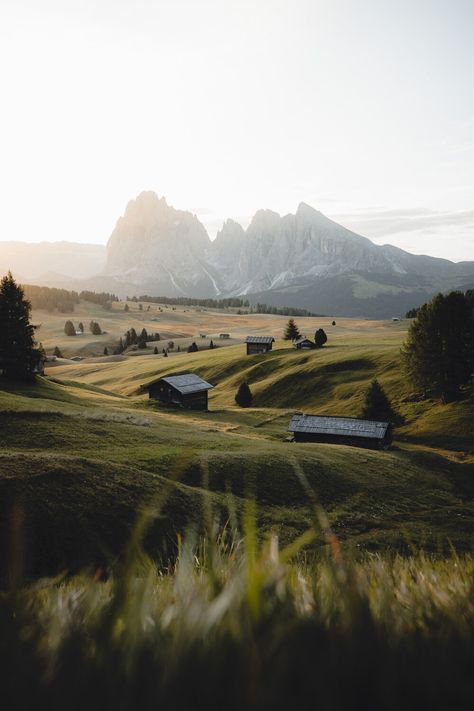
63	300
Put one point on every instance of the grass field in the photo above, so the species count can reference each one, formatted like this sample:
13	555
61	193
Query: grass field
84	450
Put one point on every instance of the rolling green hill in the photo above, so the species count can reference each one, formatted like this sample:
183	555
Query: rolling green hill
84	451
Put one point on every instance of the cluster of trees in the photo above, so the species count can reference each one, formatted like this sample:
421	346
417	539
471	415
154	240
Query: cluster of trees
49	299
63	300
281	310
19	354
70	329
189	301
438	354
102	298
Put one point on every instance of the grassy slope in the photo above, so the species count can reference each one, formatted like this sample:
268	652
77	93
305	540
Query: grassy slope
90	451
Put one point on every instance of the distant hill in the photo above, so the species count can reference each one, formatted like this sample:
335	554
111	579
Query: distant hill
303	260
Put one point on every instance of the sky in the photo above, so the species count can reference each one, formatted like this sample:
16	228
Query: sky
363	109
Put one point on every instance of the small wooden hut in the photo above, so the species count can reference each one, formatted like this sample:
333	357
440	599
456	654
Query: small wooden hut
341	430
187	390
259	344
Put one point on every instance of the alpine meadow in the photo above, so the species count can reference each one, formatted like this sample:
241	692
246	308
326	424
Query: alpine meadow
237	442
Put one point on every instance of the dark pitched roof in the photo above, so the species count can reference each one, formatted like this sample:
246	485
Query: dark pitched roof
259	339
302	339
187	383
339	426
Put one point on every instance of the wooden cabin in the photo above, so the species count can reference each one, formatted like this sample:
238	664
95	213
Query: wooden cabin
303	343
259	344
341	430
224	335
188	391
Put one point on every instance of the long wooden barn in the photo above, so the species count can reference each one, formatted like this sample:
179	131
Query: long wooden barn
341	430
259	344
187	390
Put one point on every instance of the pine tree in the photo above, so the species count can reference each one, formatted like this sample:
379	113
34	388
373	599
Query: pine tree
69	329
144	335
81	327
243	396
95	328
155	350
211	345
291	331
57	352
377	406
320	338
438	354
126	307
18	355
165	353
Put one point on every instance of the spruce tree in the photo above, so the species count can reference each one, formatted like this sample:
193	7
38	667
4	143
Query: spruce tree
57	352
126	307
377	406
81	327
69	329
106	351
291	331
18	355
243	396
438	354
155	350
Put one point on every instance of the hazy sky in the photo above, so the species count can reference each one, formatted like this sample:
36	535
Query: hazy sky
362	108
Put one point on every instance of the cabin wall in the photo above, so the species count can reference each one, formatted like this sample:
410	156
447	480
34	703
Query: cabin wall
253	348
365	442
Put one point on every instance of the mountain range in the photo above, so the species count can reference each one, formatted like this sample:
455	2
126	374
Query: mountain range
302	259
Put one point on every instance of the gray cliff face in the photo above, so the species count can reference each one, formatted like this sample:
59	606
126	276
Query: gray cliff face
154	244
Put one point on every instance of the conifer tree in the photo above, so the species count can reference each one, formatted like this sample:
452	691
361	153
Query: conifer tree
69	329
81	327
320	338
106	351
377	405
57	352
291	331
243	396
126	307
155	350
18	354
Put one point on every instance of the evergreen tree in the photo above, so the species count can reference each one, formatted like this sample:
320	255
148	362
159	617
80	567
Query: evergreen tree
133	336
140	307
244	396
320	338
211	344
377	406
106	351
193	347
69	329
95	328
179	349
291	331
18	355
57	352
438	354
333	323
81	327
126	307
155	350
144	335
165	353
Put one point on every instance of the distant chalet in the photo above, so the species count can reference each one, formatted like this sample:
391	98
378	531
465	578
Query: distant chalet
259	344
188	391
303	343
341	430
